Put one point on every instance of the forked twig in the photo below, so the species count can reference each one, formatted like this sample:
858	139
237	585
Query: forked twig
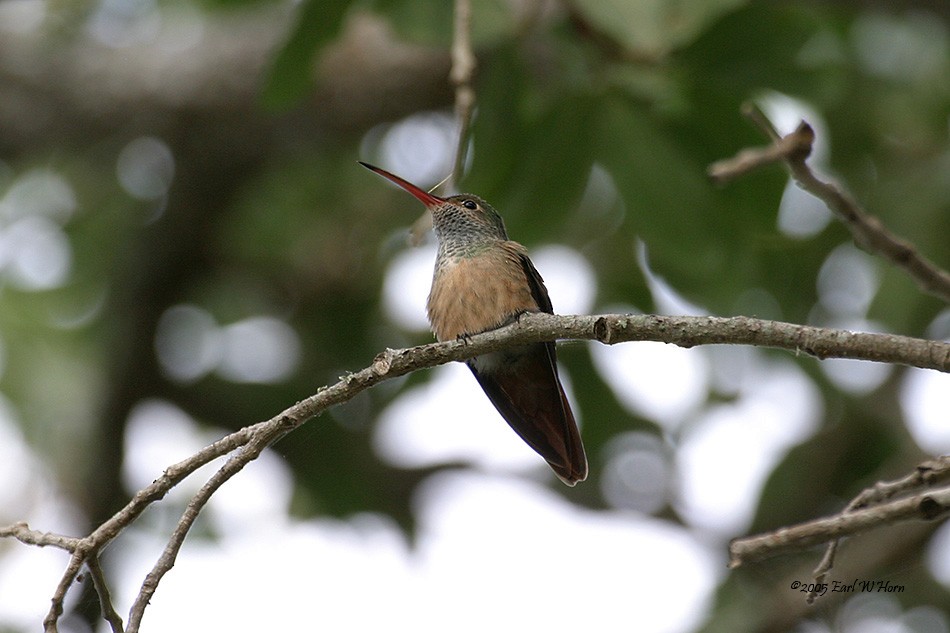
868	231
914	497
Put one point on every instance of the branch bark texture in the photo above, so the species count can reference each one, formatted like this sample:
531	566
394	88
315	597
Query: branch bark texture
247	444
882	504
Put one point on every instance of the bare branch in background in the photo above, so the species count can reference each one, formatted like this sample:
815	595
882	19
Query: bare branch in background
914	497
461	75
105	597
868	232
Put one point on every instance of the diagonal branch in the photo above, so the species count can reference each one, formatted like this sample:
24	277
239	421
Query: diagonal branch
105	597
609	329
925	506
929	473
874	507
867	231
167	559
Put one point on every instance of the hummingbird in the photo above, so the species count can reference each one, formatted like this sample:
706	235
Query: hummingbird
483	281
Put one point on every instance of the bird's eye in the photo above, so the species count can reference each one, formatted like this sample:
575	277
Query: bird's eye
469	204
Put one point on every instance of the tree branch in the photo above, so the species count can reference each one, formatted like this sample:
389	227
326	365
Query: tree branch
463	70
873	507
461	75
927	474
105	597
927	506
867	231
609	329
167	559
22	532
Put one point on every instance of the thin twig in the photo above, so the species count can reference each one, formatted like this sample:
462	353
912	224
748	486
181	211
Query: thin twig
65	582
21	531
790	147
531	328
928	506
461	75
929	473
172	476
755	114
463	70
874	507
90	546
105	597
167	559
868	231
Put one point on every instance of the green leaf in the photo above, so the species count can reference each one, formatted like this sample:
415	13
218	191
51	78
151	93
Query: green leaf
654	27
665	192
555	163
291	75
532	154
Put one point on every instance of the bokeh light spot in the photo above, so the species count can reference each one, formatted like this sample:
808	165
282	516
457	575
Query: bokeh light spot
728	451
187	342
420	148
568	276
259	350
636	473
662	382
925	399
145	168
406	287
847	282
35	253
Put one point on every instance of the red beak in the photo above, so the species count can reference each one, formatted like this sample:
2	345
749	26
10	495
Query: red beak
424	196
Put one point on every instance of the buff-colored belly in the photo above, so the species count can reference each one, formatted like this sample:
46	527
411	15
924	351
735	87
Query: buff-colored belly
474	294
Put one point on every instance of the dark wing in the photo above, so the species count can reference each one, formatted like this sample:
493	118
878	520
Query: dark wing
536	283
527	393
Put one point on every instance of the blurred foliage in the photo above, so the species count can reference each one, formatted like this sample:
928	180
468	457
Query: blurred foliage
266	215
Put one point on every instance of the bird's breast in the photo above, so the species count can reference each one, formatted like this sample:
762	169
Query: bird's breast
478	293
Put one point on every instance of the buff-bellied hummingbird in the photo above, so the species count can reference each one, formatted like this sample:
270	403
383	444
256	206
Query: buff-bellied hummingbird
482	281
